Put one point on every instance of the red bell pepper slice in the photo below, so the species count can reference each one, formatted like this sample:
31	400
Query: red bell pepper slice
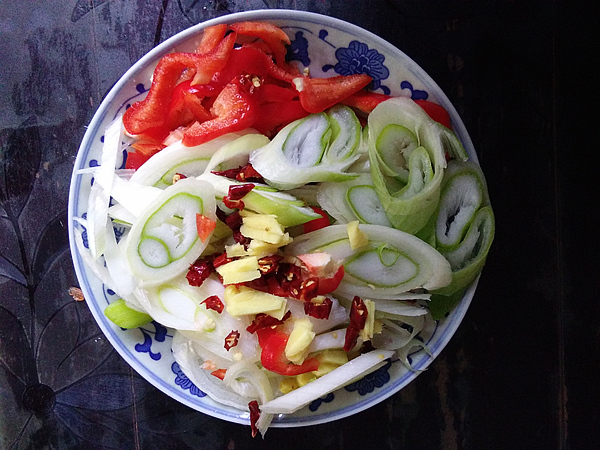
270	34
273	356
204	226
275	115
135	160
365	101
328	285
219	373
318	94
271	93
211	38
250	60
235	110
436	112
152	111
317	224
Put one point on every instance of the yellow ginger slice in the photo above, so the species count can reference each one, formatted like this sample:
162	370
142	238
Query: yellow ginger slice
240	270
300	338
241	300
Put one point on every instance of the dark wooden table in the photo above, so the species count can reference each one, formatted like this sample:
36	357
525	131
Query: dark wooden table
521	372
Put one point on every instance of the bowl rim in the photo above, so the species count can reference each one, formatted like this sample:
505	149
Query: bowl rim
455	317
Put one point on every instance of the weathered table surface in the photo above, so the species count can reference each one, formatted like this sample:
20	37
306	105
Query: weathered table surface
522	370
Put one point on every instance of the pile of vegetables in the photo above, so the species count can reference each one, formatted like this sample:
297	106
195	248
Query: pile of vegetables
294	232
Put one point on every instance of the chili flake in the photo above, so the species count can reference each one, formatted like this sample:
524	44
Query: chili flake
214	302
231	340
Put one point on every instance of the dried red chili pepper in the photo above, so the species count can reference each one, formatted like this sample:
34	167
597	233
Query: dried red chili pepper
239	191
221	259
199	271
249	173
358	319
231	340
234	220
254	416
318	310
263	320
240	238
234	197
269	264
308	289
229	173
213	302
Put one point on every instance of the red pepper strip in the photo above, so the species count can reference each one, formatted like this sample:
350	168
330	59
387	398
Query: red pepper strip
273	357
211	38
235	110
254	416
274	116
317	224
270	34
199	271
243	60
135	160
194	104
327	285
204	227
152	111
436	112
219	373
147	148
365	101
178	114
273	93
318	94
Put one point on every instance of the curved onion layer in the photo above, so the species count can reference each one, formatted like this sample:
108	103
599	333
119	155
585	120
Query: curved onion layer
164	241
407	162
159	170
236	153
100	192
464	191
310	150
392	262
263	199
184	352
353	200
468	258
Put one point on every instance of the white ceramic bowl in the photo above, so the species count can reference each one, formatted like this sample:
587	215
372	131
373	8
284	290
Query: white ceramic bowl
329	47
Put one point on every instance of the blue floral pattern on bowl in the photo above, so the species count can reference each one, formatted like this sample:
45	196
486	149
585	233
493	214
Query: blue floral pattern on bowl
358	58
325	46
368	383
184	382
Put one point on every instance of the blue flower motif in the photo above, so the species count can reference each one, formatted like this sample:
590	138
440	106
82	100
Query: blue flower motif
184	382
371	381
298	50
415	94
146	346
357	58
314	405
